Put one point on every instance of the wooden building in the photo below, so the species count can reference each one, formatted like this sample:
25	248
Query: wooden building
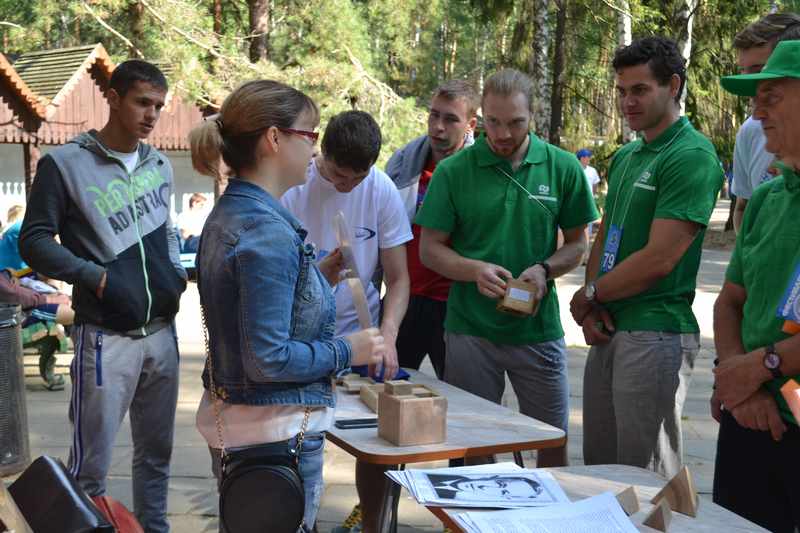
48	97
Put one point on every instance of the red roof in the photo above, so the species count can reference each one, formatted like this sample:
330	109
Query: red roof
53	95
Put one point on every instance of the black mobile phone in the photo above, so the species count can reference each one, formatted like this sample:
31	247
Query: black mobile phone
356	423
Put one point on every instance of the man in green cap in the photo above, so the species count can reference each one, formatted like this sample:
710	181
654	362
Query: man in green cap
757	316
636	306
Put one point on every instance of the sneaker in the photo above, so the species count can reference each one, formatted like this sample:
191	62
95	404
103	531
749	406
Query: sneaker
55	383
351	524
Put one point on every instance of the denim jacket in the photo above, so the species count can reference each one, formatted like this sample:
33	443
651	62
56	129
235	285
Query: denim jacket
270	313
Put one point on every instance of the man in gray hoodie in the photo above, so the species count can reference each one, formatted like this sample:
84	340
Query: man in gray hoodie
107	196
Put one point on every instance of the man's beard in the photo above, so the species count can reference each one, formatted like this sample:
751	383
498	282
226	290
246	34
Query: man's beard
513	150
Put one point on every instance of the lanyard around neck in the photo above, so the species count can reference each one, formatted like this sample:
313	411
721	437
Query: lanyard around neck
624	177
531	196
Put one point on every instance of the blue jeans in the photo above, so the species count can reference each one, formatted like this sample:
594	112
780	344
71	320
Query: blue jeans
310	472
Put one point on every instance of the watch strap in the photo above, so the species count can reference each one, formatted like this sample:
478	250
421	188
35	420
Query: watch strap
776	371
546	268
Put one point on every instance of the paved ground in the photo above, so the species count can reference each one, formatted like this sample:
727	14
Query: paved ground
192	499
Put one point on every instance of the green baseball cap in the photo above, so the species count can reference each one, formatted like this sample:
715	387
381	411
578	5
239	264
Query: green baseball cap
783	63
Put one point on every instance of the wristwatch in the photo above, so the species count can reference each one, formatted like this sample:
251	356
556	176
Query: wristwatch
772	361
546	268
591	292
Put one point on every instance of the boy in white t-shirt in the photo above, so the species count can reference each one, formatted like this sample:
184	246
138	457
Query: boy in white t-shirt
343	178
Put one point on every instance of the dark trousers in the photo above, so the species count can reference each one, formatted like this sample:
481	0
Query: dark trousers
758	478
422	333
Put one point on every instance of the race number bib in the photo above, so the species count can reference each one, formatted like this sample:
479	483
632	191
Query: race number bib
789	308
611	248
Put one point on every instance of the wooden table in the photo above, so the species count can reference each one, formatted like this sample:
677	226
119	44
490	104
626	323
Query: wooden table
583	481
475	427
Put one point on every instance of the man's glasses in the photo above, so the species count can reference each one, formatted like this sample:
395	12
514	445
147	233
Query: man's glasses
313	135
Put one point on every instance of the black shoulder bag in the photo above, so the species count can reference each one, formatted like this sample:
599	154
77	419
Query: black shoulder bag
260	487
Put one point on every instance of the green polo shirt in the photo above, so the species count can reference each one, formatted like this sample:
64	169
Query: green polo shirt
490	218
676	176
766	255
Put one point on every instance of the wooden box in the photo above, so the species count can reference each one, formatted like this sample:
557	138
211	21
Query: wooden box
369	393
412	419
519	299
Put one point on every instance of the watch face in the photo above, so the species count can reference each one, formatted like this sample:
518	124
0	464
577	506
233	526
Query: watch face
590	292
772	360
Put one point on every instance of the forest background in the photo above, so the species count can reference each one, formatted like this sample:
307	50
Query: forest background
387	56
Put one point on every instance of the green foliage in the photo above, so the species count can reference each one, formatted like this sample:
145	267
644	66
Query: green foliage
387	56
312	29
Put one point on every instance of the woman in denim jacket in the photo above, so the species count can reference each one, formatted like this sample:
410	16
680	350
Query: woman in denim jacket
269	310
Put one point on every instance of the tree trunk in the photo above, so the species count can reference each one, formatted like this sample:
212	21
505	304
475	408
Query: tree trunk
217	14
559	73
482	59
259	30
136	17
684	19
443	47
453	57
625	36
521	40
538	69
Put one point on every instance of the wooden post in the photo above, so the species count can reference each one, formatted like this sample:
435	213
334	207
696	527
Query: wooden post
31	155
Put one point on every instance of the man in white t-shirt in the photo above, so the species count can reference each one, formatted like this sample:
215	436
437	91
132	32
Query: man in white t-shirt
592	177
343	178
752	164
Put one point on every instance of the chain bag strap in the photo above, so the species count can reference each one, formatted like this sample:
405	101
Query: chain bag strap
215	401
240	470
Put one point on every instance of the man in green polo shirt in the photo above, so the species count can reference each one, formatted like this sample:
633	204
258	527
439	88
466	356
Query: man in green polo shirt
636	307
757	471
491	213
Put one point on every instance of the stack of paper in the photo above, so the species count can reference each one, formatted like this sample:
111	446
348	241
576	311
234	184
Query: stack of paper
599	514
501	485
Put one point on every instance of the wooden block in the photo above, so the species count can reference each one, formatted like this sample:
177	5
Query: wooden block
411	420
791	393
11	518
629	500
423	391
353	385
369	395
399	387
680	493
660	517
519	298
